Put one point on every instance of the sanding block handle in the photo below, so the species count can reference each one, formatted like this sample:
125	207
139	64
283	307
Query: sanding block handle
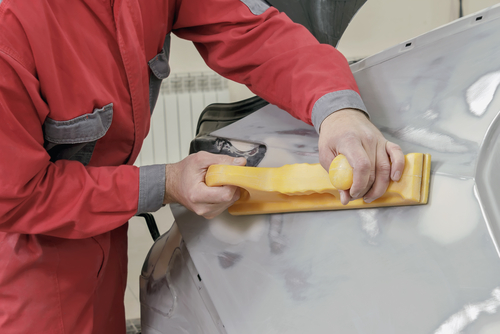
340	173
306	187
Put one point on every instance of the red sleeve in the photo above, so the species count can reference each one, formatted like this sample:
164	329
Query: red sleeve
277	59
63	199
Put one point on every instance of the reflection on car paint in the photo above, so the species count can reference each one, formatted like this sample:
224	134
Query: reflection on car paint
470	313
228	259
369	222
429	139
277	242
248	228
481	93
443	221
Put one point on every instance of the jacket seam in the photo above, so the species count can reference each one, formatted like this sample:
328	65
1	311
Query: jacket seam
334	101
81	118
14	56
9	51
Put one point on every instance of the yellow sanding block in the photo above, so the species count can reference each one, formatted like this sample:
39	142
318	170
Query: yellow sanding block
308	187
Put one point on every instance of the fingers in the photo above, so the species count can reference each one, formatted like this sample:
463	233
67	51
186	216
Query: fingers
397	160
326	157
185	184
207	159
385	165
223	197
214	195
389	166
382	175
362	170
345	197
375	161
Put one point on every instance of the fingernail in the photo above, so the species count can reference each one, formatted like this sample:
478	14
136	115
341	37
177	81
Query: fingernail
367	200
355	196
238	161
397	176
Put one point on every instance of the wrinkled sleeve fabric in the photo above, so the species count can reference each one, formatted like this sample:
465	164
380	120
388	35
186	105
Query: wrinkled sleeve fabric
63	198
251	43
151	188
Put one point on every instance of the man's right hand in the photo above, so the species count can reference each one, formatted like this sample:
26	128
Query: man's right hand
185	184
375	160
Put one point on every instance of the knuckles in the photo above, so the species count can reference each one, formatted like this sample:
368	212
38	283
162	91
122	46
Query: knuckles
204	212
363	165
384	169
371	179
206	158
393	146
370	138
207	212
227	197
192	198
198	157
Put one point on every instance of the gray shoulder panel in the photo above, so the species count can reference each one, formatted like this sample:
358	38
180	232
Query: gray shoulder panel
257	7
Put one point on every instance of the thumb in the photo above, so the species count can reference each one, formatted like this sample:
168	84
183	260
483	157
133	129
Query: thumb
206	159
239	161
227	160
326	156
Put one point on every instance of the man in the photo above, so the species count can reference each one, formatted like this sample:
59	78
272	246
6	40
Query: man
75	97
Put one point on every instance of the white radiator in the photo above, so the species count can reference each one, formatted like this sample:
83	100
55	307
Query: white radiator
173	125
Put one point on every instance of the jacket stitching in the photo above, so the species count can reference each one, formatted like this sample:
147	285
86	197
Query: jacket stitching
15	56
107	118
9	51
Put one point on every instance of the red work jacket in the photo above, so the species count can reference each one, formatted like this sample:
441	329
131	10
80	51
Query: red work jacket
64	64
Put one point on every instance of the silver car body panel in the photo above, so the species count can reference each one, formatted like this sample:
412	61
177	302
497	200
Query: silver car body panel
421	269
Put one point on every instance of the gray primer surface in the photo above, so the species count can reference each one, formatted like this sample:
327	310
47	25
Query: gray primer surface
419	269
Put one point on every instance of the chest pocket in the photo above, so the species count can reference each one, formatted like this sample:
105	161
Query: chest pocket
160	70
75	139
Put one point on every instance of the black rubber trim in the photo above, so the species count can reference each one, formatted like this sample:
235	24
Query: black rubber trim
219	115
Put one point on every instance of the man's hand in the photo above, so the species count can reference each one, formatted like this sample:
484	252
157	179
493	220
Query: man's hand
185	184
375	161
